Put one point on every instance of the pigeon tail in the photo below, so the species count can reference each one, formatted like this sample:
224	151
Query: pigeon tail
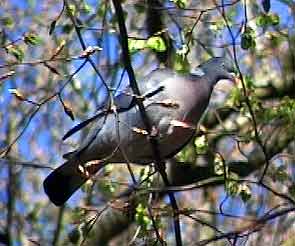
69	177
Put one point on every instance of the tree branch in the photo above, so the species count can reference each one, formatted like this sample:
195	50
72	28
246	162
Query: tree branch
154	144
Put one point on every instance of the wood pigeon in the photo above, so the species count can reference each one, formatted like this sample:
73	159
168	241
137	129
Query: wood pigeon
175	104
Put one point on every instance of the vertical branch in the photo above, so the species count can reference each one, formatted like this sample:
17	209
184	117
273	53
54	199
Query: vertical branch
155	26
10	204
160	166
58	226
10	189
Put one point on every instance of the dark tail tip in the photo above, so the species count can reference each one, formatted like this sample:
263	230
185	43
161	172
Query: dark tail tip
59	187
62	183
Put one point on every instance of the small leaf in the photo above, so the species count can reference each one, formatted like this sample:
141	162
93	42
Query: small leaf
7	22
275	19
265	20
245	192
248	39
262	20
16	51
180	3
235	98
274	39
182	51
52	27
201	144
218	25
232	187
32	39
249	82
107	187
72	10
144	173
266	5
180	62
156	43
219	167
135	45
141	216
67	28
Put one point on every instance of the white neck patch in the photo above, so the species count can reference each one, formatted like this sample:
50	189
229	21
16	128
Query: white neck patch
197	71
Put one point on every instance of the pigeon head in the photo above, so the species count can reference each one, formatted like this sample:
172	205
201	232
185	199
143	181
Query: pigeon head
216	69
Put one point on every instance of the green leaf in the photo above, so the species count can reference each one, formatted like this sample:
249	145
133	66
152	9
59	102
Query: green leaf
262	20
249	82
275	39
201	144
265	20
232	187
187	154
7	22
67	28
218	25
180	3
141	216
285	111
248	39
219	167
275	19
180	62
16	51
32	39
135	45
235	97
245	192
144	175
156	43
108	187
72	10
